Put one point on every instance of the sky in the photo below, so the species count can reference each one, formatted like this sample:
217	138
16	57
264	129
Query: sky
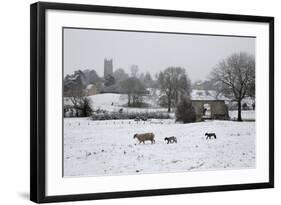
151	52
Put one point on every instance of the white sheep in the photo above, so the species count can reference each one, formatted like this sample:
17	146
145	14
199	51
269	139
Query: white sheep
145	137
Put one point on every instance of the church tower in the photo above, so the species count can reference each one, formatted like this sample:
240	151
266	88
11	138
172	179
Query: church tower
108	68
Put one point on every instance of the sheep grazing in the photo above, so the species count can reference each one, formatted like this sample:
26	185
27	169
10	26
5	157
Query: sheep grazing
210	135
145	137
171	139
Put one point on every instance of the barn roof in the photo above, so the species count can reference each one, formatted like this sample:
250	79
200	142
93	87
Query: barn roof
206	95
90	86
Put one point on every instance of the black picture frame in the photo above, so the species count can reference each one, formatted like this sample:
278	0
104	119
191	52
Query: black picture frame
38	101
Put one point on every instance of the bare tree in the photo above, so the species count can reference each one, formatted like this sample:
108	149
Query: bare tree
134	88
235	78
174	83
148	79
120	75
85	106
134	71
80	103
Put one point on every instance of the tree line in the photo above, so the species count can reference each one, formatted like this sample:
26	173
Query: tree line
233	77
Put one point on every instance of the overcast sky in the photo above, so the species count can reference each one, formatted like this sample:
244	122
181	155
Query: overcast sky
152	52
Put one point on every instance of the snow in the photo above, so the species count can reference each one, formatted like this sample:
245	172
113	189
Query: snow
245	114
206	95
114	102
89	87
97	148
203	94
104	101
73	77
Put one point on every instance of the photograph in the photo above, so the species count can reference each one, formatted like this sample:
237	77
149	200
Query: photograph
134	102
149	102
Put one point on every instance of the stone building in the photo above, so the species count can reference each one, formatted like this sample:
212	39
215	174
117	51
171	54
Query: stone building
210	109
91	89
108	68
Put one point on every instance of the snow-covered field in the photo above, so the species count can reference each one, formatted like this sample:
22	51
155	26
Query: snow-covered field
96	148
114	102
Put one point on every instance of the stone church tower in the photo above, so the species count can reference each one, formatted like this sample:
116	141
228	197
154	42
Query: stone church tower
108	67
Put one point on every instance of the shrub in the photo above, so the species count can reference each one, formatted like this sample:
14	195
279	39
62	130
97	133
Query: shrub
80	107
185	111
129	116
137	104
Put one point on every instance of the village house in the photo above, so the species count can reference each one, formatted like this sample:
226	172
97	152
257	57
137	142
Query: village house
91	89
